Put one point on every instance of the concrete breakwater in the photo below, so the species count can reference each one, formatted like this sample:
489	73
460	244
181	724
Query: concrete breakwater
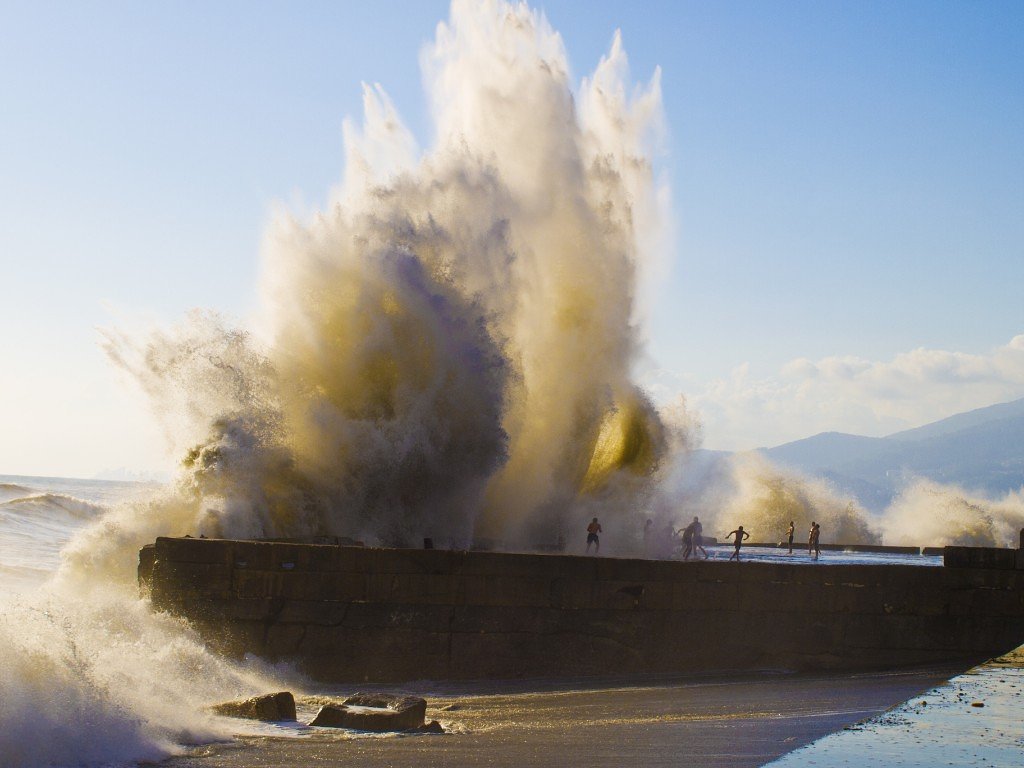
354	613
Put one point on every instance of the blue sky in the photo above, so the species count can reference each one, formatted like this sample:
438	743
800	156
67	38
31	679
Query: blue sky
848	183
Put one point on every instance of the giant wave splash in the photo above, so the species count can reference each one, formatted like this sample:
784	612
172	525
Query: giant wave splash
450	342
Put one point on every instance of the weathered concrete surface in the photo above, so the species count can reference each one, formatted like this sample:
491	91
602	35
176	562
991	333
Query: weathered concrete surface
352	614
982	557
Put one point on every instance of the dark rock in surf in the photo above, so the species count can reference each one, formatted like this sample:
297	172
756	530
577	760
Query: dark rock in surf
273	707
379	712
330	716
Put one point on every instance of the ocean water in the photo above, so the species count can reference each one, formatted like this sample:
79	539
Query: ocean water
94	678
39	515
800	557
90	676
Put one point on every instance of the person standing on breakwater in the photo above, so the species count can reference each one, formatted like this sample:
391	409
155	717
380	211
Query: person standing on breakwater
687	534
592	530
692	538
810	538
815	540
789	535
740	535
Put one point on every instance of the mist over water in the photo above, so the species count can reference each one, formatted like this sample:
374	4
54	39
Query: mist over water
946	514
747	489
450	341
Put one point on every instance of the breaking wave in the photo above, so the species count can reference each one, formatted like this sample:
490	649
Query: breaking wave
747	489
939	514
449	344
13	490
106	682
48	502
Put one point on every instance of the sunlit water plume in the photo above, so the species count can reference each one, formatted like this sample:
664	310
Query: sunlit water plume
926	511
746	489
451	339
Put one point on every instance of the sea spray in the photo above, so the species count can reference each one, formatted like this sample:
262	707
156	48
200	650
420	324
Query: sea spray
103	680
747	489
91	676
926	512
770	498
450	341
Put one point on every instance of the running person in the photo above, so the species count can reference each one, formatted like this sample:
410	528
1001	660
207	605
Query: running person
740	535
687	534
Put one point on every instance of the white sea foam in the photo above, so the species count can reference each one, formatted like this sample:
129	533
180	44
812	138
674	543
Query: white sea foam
104	680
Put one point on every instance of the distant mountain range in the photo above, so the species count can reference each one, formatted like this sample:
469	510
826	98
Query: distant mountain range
980	450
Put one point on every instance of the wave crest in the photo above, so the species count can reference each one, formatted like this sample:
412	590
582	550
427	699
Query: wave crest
450	341
72	506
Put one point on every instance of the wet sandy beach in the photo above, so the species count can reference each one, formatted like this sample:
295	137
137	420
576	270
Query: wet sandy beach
734	722
973	720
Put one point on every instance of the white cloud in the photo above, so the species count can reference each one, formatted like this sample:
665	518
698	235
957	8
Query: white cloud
852	394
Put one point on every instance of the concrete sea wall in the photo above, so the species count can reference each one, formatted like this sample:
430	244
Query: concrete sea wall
355	614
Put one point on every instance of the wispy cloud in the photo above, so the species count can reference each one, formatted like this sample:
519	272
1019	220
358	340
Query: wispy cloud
849	394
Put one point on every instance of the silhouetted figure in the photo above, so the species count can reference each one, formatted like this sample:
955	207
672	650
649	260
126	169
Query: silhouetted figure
693	539
740	535
687	534
789	535
592	530
816	539
698	537
810	538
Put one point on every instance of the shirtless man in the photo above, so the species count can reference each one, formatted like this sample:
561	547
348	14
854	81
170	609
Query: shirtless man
698	541
592	530
740	535
696	537
687	534
789	535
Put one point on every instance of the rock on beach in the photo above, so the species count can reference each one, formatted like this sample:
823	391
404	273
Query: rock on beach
271	707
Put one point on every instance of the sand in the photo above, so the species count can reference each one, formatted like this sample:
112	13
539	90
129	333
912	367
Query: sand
973	720
738	721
